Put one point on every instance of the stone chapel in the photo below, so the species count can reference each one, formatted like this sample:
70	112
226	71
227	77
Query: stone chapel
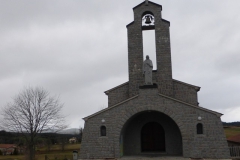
161	118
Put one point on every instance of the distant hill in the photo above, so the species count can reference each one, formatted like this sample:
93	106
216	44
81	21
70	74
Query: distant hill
69	131
231	124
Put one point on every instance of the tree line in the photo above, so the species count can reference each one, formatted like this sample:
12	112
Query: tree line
42	138
46	140
231	124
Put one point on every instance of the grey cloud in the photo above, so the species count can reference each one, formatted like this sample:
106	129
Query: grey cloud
78	49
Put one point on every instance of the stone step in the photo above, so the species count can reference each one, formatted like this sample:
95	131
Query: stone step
154	158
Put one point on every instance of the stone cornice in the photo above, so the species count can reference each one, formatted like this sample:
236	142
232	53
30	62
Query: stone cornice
109	108
149	2
197	107
190	85
106	92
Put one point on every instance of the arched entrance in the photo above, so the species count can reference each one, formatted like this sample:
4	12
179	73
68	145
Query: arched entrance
152	137
150	131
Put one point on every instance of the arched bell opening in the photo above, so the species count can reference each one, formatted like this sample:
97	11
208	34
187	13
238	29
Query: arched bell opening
150	132
148	33
147	19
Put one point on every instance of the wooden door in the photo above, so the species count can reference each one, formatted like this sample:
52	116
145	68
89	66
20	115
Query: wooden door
152	137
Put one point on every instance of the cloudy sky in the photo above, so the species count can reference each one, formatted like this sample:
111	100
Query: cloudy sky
78	49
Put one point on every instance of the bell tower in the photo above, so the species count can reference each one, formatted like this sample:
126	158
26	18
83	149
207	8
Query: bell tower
147	16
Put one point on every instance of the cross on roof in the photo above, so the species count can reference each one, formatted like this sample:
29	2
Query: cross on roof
146	2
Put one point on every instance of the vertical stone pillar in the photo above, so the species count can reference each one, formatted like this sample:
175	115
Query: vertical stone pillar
135	57
163	50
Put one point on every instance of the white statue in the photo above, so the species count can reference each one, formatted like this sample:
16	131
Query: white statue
147	70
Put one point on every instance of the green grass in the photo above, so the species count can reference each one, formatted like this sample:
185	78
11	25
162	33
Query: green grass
231	131
19	157
60	156
52	154
58	147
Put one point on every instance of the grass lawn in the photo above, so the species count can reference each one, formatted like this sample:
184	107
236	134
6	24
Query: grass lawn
58	147
60	156
231	131
54	153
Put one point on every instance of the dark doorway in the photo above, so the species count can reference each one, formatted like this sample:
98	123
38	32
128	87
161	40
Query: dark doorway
152	137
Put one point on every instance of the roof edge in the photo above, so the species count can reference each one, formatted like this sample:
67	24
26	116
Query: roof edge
233	141
196	87
109	108
148	2
235	138
107	92
197	107
129	24
166	21
106	109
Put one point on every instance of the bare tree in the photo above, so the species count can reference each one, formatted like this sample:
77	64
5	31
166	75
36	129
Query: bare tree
33	111
63	141
48	143
80	134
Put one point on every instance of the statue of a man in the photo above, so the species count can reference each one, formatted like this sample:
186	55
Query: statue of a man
147	70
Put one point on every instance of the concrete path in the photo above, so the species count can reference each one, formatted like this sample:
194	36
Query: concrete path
163	158
155	158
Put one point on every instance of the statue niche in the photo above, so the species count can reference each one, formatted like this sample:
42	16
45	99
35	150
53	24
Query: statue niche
147	71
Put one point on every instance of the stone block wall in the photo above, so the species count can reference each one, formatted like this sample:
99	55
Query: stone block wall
163	50
181	91
184	92
211	144
118	94
175	104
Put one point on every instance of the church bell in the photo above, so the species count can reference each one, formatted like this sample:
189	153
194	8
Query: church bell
148	20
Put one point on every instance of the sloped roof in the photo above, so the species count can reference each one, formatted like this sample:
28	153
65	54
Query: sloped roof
176	100
197	107
106	92
7	145
190	85
234	138
187	84
148	2
106	109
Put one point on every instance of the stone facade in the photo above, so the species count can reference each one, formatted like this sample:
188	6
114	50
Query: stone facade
170	103
178	119
118	94
185	92
182	91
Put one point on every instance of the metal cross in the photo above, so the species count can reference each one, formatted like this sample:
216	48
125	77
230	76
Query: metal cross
146	2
